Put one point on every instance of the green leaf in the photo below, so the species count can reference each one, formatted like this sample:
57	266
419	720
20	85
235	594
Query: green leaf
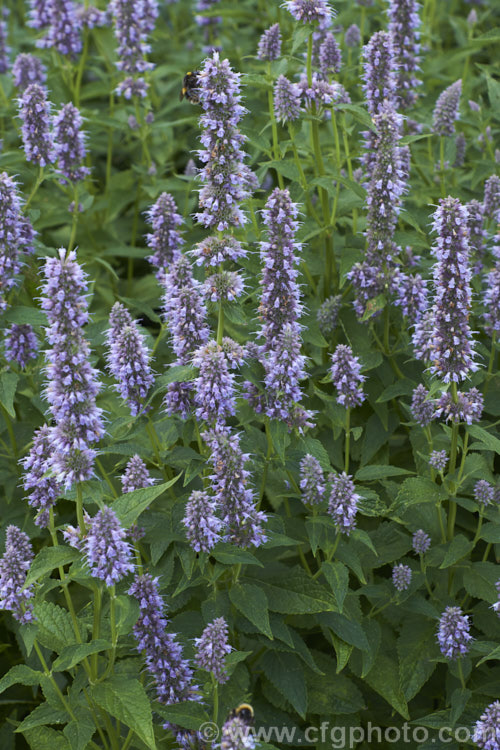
337	576
25	315
231	555
80	730
129	507
188	715
459	700
8	385
416	649
127	612
480	579
490	442
286	673
73	655
384	679
359	113
55	626
417	490
334	693
491	533
297	596
279	436
45	738
300	35
348	630
178	374
42	715
48	559
400	388
127	701
251	601
459	547
493	93
376	471
20	675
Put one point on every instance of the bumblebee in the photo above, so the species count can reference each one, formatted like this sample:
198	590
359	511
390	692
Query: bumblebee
245	713
190	87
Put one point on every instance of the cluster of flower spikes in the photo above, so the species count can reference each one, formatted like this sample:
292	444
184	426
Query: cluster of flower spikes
14	565
185	314
165	240
224	175
380	82
128	358
42	488
404	23
69	143
453	352
172	674
63	30
72	384
385	190
16	236
21	344
134	20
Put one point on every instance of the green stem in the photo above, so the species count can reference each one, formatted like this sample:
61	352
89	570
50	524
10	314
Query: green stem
347	439
79	509
37	184
96	628
48	674
10	430
452	511
350	172
441	165
81	67
460	673
479	524
303	181
220	323
487	551
441	523
74	219
106	477
216	699
424	572
266	465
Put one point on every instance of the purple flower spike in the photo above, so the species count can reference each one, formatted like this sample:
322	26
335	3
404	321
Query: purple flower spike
63	33
107	554
5	50
69	142
346	376
491	199
129	363
202	525
235	499
34	111
270	44
330	56
422	408
328	314
312	482
285	368
225	183
310	11
39	13
343	502
492	301
410	294
214	388
72	384
28	69
136	475
468	408
14	236
438	460
446	110
401	577
487	730
460	149
42	490
212	648
165	241
421	542
14	565
163	655
380	79
133	22
483	492
453	347
21	344
212	251
403	27
454	633
286	100
352	36
225	285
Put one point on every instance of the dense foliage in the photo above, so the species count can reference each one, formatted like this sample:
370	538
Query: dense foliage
248	392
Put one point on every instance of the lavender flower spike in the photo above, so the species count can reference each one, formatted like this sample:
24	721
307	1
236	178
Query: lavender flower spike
42	490
70	143
21	344
438	460
108	556
491	199
230	482
330	56
14	565
39	13
11	236
487	730
309	11
343	502
64	30
72	383
214	388
286	100
270	44
202	525
312	482
284	369
380	79
28	69
212	648
224	175
454	633
136	475
132	25
421	542
164	661
34	111
5	50
422	408
165	241
129	363
403	27
352	36
446	110
347	377
452	358
401	577
492	301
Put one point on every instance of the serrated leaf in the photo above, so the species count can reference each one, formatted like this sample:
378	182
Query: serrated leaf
479	581
55	626
490	442
458	548
41	716
296	596
376	471
491	533
334	693
48	559
73	655
80	730
127	701
129	507
384	679
337	576
417	490
20	675
127	612
8	386
349	630
188	715
459	700
45	738
231	555
251	601
286	673
416	649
